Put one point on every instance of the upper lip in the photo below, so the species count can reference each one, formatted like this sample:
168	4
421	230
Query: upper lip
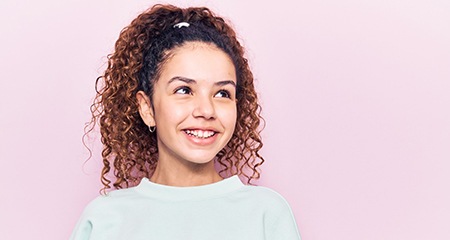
211	129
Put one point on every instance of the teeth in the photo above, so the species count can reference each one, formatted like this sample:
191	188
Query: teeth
200	133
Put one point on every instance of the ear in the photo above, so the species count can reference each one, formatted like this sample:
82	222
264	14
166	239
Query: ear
145	109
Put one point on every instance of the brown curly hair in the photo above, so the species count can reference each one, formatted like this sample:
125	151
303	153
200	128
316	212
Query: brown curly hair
143	46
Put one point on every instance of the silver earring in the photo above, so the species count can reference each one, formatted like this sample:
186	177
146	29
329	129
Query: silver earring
152	128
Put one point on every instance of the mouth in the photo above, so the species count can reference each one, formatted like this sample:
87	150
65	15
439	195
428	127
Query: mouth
202	134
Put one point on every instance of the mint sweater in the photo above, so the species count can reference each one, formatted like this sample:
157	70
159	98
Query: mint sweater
224	210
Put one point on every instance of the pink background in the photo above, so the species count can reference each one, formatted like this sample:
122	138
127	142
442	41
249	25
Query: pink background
356	95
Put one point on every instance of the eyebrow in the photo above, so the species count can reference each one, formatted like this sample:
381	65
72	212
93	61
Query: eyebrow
191	81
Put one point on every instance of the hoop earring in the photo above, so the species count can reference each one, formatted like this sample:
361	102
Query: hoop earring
152	129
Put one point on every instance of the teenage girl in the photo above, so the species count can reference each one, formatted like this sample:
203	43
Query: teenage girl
179	121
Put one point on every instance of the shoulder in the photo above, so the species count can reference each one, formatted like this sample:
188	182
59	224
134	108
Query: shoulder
265	193
112	200
278	217
266	197
103	211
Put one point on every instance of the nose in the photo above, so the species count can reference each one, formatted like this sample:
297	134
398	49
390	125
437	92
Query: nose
204	108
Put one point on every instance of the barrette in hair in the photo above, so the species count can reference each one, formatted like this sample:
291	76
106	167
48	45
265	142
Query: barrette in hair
181	24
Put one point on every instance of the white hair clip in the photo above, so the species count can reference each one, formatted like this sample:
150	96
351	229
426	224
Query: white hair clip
181	24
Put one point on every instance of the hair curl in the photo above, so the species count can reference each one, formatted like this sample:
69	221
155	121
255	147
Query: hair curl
140	51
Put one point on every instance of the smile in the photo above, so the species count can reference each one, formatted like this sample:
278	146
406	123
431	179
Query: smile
200	133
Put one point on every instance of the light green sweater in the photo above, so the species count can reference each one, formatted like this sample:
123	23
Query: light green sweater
224	210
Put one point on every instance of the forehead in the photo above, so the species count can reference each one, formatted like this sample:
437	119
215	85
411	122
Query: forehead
198	60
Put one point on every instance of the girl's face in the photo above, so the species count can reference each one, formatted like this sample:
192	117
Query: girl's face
194	104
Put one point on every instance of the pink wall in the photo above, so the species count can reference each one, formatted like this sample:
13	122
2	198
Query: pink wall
356	95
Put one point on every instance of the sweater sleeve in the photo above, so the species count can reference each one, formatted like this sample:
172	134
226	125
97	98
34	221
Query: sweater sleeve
84	226
82	230
284	227
281	223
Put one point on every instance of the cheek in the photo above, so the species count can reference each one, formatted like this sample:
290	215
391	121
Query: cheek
229	115
168	113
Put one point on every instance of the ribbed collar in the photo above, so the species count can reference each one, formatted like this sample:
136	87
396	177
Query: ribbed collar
170	193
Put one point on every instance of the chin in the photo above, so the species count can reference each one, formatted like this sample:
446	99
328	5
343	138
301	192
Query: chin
200	161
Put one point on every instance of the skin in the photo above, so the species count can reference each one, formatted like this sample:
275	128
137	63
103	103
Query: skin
194	111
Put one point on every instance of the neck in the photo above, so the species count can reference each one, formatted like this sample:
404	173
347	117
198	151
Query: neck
184	175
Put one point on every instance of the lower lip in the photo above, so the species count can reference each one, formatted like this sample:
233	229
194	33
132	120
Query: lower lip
201	141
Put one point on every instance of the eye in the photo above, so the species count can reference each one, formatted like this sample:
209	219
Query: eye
183	90
223	94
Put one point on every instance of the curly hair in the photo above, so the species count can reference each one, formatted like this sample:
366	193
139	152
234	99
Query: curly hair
142	48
